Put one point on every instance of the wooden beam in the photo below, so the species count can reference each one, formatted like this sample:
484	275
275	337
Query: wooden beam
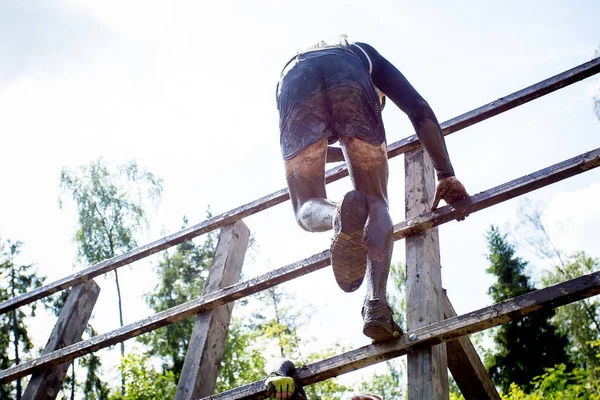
405	145
170	316
71	322
428	368
465	365
480	201
443	331
201	367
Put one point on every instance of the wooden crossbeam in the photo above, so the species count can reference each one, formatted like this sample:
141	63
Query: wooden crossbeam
402	146
430	335
478	202
466	367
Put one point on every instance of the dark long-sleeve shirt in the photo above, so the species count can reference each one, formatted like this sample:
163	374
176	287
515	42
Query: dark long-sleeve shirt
397	88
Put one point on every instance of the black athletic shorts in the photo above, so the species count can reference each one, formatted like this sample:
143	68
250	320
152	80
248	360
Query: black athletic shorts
327	94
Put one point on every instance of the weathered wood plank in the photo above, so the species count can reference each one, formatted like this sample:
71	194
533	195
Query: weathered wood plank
428	368
443	331
172	315
466	366
69	327
405	145
480	201
205	350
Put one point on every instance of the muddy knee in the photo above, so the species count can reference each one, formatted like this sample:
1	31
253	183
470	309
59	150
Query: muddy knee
315	215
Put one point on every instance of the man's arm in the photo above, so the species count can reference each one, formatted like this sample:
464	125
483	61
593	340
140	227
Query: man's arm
398	89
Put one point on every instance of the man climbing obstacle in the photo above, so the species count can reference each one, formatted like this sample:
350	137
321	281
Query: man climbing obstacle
280	385
335	91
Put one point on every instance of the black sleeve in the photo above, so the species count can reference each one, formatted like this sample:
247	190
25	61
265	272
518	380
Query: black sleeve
398	89
287	368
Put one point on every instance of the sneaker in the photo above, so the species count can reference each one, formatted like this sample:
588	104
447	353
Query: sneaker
379	322
348	251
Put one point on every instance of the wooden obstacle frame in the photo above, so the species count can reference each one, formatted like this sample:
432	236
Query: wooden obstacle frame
436	339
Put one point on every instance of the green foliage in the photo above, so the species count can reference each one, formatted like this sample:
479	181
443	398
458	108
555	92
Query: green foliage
181	278
93	387
558	383
280	323
111	206
580	321
15	343
111	211
143	382
388	385
524	348
330	389
243	359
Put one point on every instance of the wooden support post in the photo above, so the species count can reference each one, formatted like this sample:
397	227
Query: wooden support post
201	366
466	366
427	368
71	323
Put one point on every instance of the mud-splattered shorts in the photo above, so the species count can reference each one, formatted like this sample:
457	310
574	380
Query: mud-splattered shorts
327	94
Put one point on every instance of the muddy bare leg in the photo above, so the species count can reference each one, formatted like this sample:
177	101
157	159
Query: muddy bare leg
369	173
305	174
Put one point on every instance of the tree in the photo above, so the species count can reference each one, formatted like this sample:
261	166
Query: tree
558	383
111	211
181	278
526	347
579	321
143	382
388	385
277	321
15	279
243	360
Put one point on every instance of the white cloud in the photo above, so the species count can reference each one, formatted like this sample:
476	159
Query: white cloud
573	219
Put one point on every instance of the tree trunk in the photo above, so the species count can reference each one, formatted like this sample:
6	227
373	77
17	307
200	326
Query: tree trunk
15	329
121	321
72	380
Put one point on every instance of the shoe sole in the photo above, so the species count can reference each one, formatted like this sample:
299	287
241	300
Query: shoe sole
380	331
348	251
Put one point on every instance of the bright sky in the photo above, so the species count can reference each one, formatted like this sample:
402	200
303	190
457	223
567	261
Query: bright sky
189	91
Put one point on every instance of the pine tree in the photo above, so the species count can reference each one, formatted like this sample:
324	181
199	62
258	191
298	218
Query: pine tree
15	279
524	348
181	277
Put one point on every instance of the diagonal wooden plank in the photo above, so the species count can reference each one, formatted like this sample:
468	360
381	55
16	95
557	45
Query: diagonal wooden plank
405	145
68	329
465	365
430	335
480	201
